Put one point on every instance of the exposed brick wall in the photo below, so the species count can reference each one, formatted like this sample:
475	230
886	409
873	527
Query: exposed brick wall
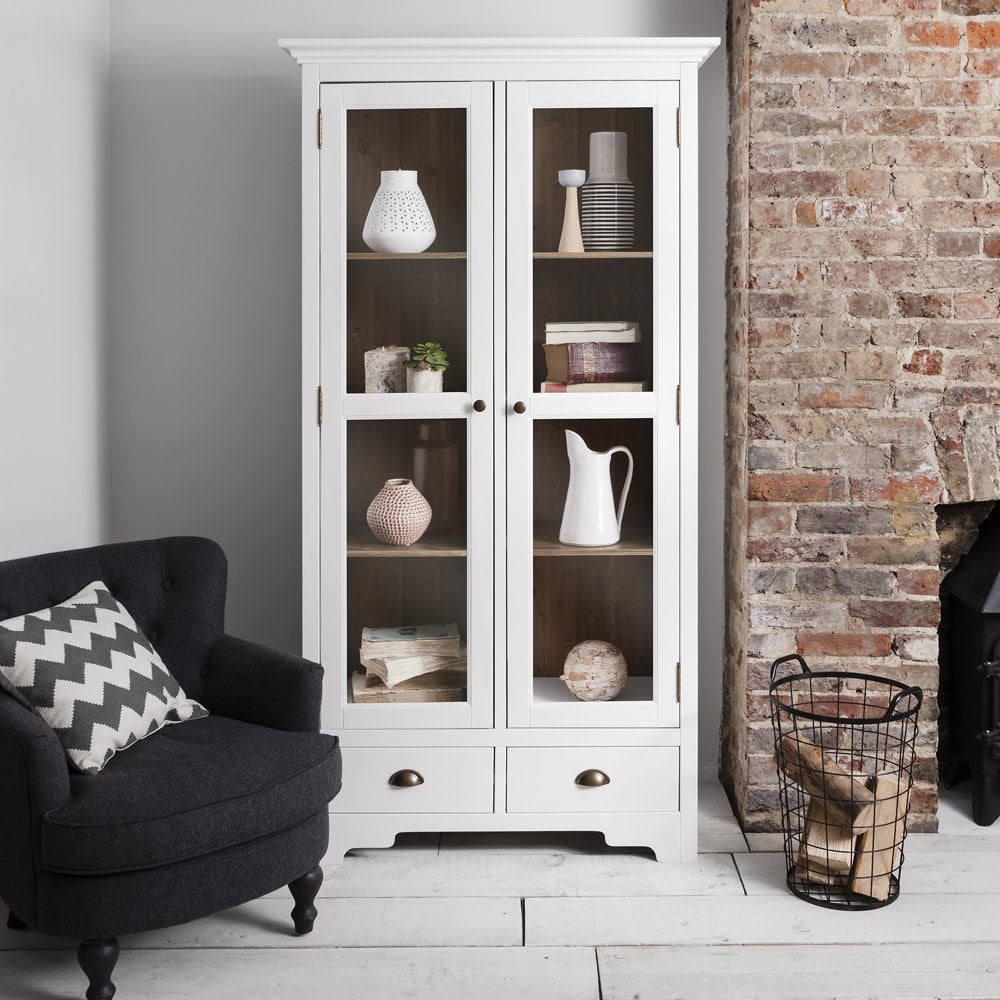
864	340
734	752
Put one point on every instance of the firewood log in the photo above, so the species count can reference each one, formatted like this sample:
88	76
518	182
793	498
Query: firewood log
826	849
849	804
812	871
878	845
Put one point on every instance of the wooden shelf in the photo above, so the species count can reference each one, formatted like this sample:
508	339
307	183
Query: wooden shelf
634	542
361	543
594	255
426	255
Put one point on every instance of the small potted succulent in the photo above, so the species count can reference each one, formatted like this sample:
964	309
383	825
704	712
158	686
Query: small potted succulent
426	367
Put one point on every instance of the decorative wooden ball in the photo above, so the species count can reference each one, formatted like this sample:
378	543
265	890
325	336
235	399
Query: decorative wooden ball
595	670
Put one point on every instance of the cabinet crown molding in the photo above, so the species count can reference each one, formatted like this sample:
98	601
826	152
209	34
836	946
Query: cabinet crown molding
485	54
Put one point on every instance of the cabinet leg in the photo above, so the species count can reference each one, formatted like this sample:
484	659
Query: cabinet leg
663	842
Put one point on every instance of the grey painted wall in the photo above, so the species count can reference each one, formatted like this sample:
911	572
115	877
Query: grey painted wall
53	147
204	264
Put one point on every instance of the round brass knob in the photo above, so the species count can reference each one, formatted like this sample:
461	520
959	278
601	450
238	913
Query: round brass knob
406	778
592	778
479	405
519	407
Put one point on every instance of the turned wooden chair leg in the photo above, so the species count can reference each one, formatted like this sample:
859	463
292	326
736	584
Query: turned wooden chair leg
97	958
14	922
304	891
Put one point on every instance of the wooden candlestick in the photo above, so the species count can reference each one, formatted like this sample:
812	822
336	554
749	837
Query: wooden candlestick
571	240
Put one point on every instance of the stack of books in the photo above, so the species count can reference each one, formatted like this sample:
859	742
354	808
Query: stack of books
602	356
411	663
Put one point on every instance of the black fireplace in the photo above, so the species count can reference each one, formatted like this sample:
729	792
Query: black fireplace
972	667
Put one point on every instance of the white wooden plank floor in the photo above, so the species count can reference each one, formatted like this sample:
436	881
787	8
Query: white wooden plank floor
563	917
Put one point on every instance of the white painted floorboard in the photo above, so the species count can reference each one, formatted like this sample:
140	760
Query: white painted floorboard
780	919
439	916
783	972
343	923
922	872
486	875
317	974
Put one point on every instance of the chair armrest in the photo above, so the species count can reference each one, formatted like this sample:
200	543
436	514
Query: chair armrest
32	757
253	683
34	779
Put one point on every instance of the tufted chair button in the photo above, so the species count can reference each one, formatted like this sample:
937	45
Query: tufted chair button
154	634
204	671
166	584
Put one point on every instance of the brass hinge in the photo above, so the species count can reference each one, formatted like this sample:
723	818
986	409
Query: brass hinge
678	682
678	126
319	128
319	405
678	408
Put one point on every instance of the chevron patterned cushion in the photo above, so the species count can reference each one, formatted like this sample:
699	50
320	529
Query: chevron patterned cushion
89	672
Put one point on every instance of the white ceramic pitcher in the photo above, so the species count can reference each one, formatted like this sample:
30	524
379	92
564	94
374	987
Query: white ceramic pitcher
589	517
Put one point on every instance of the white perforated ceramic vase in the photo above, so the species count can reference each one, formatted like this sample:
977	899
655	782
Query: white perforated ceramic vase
399	220
399	514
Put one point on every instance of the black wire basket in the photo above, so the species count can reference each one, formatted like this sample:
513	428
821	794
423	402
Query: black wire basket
844	745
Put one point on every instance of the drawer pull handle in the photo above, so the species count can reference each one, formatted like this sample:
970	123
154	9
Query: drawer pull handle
406	778
592	778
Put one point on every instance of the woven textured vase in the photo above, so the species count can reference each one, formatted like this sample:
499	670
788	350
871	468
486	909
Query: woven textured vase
399	514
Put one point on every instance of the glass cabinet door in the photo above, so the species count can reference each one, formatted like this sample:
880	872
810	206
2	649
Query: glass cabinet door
406	260
593	356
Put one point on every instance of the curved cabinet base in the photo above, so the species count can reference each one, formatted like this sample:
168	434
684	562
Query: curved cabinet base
660	832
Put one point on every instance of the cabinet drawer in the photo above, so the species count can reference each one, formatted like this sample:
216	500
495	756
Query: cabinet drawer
455	779
544	779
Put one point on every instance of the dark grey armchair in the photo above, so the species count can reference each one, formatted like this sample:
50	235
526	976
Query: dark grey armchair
199	816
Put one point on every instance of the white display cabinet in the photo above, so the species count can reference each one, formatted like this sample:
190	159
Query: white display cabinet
487	124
